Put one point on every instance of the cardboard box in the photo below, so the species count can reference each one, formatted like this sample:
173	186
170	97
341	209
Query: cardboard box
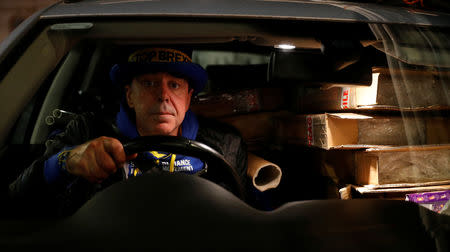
400	165
353	131
395	193
386	167
257	129
406	90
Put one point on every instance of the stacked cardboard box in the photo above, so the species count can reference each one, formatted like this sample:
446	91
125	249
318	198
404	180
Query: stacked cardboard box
388	167
399	165
350	130
406	90
378	146
391	153
249	107
393	192
257	129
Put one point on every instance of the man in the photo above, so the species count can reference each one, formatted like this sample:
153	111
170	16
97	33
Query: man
158	85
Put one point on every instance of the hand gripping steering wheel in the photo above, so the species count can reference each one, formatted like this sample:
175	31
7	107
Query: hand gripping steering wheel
219	170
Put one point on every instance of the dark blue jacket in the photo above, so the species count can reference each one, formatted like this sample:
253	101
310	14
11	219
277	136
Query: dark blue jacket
31	189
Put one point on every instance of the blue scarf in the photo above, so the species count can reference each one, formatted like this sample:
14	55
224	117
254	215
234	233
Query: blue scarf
165	161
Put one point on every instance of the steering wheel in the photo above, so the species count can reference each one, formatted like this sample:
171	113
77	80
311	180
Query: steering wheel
218	167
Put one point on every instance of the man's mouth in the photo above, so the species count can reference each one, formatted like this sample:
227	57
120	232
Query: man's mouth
163	113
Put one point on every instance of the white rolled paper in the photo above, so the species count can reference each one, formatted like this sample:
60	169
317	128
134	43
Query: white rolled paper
264	174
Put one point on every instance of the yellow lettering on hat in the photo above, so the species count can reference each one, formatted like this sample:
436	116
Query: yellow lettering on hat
150	55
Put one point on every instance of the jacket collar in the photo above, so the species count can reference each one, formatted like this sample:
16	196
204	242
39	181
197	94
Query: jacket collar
189	127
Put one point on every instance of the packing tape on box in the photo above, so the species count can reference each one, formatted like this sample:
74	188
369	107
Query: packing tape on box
264	174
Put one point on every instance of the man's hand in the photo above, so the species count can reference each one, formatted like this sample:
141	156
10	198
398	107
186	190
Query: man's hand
97	159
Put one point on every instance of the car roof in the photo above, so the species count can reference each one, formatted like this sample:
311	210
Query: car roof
307	10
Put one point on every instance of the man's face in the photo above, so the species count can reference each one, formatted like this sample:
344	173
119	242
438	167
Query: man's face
160	102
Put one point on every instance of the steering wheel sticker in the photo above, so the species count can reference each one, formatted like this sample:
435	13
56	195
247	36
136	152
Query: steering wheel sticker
219	170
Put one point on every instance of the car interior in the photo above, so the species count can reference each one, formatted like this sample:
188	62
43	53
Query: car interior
256	84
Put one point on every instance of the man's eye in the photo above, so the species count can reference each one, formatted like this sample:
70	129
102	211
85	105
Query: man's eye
174	85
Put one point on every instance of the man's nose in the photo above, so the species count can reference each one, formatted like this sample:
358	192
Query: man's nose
163	92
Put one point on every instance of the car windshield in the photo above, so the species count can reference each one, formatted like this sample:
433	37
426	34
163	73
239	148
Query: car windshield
264	124
340	114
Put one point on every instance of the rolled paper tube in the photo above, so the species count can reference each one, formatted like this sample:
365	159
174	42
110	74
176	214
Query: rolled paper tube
264	174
